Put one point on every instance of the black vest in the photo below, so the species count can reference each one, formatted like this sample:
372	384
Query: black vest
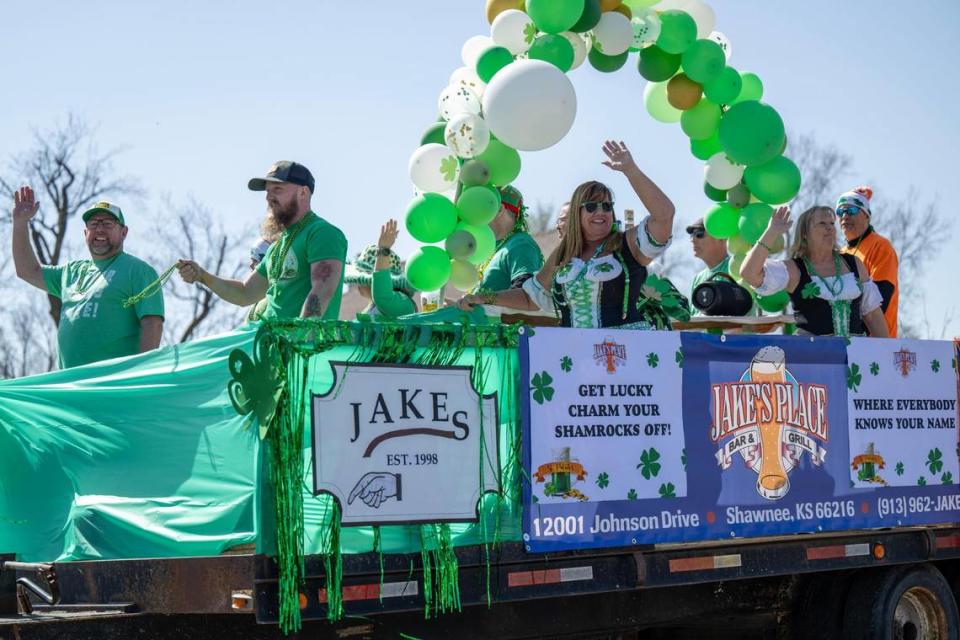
817	311
611	295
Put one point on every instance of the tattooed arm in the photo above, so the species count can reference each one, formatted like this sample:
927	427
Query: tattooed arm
324	280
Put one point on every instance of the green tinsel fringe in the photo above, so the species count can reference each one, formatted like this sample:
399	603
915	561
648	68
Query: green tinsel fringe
441	576
333	566
151	288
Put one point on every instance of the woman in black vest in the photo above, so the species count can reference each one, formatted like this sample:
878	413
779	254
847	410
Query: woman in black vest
830	290
598	275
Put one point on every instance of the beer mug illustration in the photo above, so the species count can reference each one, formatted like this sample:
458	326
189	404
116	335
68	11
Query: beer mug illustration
769	366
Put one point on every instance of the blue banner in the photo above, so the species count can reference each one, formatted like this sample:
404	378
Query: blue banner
765	436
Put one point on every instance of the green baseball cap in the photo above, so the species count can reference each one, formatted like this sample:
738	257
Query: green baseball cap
104	207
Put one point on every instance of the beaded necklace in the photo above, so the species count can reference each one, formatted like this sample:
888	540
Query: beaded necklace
83	285
840	309
482	267
583	273
284	244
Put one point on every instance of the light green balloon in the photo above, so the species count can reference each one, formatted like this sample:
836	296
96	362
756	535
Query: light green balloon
479	205
701	121
725	87
753	221
555	16
639	6
774	182
430	217
428	268
752	88
503	162
463	275
736	244
485	240
659	108
739	196
721	221
703	61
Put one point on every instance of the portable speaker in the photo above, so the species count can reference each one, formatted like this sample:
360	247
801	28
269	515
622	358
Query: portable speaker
721	296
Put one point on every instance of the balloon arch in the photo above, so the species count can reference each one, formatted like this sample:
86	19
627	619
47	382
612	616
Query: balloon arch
513	94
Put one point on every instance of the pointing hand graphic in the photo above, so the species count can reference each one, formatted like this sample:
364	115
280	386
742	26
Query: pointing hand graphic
375	488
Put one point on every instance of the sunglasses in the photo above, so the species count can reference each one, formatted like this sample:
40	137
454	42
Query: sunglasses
102	224
592	206
849	210
697	233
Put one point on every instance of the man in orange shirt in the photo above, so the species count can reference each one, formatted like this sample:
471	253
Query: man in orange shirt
875	251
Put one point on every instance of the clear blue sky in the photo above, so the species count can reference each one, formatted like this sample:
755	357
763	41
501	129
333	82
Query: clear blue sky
205	95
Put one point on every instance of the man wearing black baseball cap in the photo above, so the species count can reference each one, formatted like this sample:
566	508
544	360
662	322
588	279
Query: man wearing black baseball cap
302	272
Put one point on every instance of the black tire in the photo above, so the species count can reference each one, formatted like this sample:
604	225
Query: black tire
910	602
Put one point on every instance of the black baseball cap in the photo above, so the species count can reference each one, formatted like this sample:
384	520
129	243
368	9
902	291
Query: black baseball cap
284	171
696	224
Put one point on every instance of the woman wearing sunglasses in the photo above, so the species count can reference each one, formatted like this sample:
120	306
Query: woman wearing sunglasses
830	290
597	276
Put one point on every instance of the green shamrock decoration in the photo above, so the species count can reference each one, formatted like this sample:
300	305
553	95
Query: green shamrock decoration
678	356
566	363
662	301
653	360
921	481
529	33
542	391
874	368
256	386
810	290
667	490
899	468
448	168
935	460
603	480
947	478
632	494
854	377
603	267
649	467
935	365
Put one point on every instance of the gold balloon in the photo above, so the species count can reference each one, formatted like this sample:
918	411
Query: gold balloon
609	5
625	10
496	7
683	93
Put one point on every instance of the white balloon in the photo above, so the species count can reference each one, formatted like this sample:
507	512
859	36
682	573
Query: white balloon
613	34
434	167
514	30
703	15
646	29
472	48
721	173
724	43
467	134
579	48
455	100
530	105
467	77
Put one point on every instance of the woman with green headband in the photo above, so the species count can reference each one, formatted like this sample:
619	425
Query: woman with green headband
517	256
598	275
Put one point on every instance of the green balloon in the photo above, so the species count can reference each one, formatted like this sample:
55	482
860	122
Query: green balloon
492	60
656	65
479	205
431	217
721	221
556	50
739	196
725	87
555	16
736	244
589	18
774	182
752	88
753	221
605	63
503	162
717	195
703	61
428	268
774	303
485	240
434	134
701	121
677	31
460	244
474	172
751	133
705	149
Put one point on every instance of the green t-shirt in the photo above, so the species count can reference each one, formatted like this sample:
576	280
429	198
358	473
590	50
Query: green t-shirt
518	256
94	325
722	267
317	240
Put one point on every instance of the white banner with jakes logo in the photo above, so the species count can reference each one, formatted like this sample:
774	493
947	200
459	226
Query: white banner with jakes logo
605	415
404	444
902	403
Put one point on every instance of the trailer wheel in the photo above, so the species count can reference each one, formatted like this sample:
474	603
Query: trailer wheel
909	603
